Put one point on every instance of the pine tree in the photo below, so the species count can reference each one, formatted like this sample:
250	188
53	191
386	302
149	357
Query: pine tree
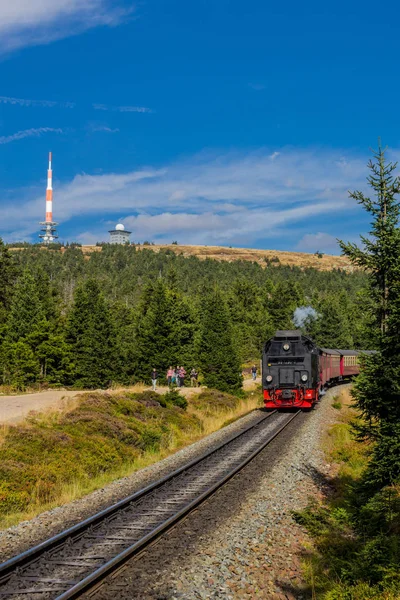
164	332
377	389
331	328
250	321
7	277
20	366
19	363
91	338
217	354
26	312
34	320
284	300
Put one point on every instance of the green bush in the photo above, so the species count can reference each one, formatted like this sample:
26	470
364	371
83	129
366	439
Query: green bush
337	405
174	397
357	545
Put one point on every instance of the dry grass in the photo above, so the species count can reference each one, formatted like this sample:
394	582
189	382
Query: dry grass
222	253
134	389
78	487
221	418
340	445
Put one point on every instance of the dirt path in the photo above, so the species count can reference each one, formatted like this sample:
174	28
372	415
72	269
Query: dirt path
15	408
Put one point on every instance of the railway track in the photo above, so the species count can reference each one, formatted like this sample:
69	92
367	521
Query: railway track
69	563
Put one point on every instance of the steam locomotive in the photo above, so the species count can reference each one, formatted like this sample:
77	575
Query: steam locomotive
296	372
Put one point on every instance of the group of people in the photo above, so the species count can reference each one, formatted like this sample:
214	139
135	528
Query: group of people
176	376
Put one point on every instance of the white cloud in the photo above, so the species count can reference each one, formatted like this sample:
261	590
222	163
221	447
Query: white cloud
32	22
240	227
122	109
236	198
324	242
139	109
95	128
42	103
87	238
20	135
51	104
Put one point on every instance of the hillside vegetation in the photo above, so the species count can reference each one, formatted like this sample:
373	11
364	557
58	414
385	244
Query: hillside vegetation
53	458
90	320
303	260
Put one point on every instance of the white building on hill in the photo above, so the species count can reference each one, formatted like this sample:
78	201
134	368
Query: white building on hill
119	235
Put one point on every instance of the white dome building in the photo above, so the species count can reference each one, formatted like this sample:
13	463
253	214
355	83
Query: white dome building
119	235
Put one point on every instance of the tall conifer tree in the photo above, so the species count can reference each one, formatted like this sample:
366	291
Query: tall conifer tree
7	277
218	358
91	338
26	312
331	328
164	332
26	318
377	389
284	300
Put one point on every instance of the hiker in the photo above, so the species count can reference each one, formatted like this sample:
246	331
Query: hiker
193	377
170	376
254	372
177	378
182	374
154	376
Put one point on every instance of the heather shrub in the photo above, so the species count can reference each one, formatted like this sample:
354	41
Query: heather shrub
212	402
104	432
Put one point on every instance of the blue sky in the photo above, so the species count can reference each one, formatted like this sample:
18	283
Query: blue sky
203	121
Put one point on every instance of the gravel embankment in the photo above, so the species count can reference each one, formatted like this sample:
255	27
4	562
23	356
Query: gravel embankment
28	533
243	542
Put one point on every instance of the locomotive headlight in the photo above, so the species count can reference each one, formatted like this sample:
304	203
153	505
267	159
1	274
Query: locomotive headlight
304	377
286	347
269	378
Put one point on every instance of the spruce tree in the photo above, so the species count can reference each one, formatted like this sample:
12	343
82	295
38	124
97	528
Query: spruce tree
331	327
91	338
164	332
7	277
34	320
282	303
377	389
250	321
26	318
20	366
26	312
217	353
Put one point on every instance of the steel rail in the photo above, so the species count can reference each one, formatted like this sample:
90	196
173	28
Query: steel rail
16	566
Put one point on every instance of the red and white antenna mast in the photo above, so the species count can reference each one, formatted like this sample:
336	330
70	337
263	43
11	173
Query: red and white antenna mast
49	227
49	194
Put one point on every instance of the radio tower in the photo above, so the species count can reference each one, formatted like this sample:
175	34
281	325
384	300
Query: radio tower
49	227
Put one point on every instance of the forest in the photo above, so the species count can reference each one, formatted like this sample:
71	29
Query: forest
110	317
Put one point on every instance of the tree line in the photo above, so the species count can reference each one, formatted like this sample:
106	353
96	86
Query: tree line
112	316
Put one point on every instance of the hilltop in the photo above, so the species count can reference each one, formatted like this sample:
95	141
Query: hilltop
328	262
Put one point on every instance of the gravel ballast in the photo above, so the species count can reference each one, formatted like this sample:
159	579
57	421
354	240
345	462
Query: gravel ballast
243	542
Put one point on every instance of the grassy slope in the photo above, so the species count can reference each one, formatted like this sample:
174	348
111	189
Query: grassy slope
56	457
222	253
